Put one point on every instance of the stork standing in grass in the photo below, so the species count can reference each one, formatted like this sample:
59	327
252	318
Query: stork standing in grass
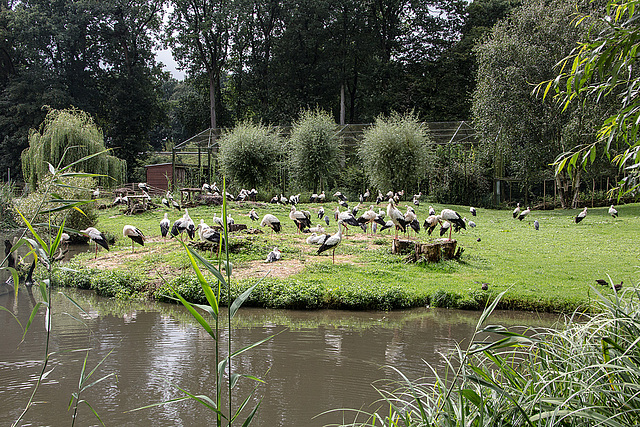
370	217
347	218
332	242
97	237
396	217
516	211
432	211
164	226
321	213
454	218
299	218
253	215
524	214
134	234
581	215
613	212
473	211
272	222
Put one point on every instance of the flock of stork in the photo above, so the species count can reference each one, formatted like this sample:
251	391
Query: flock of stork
448	219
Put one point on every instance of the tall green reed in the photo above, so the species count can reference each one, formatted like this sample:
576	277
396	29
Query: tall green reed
44	256
585	373
211	324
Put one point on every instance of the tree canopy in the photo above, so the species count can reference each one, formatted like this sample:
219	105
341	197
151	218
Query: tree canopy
64	137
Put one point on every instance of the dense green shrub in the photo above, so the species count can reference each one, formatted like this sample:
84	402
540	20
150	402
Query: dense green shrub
122	284
396	152
75	189
316	155
7	213
249	154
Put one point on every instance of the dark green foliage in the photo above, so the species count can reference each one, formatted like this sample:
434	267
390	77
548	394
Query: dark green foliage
7	213
444	299
249	155
316	157
186	285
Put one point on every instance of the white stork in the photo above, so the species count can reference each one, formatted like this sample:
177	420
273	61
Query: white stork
473	211
613	212
274	255
253	215
432	211
164	226
411	218
97	237
271	221
321	213
321	197
516	211
299	218
134	234
396	217
454	218
431	222
332	242
371	217
526	212
581	215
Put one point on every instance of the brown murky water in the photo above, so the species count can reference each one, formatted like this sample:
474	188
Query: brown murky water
320	360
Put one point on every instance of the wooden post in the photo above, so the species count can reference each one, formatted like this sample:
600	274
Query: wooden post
544	194
593	191
173	169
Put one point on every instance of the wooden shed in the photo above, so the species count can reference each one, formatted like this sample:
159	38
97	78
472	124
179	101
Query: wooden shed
159	175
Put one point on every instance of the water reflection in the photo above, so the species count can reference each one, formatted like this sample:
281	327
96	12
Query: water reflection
319	360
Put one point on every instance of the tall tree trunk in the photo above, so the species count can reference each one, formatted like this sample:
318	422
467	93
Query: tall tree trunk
560	184
212	99
576	188
342	105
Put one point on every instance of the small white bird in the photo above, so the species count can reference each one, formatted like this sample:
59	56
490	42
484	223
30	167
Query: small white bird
134	234
613	212
274	255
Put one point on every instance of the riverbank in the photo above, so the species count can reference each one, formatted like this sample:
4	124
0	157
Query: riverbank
551	269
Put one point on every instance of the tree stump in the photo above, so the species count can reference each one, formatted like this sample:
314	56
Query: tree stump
432	252
236	227
401	246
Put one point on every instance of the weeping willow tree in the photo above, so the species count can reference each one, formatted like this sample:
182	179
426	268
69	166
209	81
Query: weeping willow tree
72	134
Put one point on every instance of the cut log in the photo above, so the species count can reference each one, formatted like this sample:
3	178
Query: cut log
431	252
399	247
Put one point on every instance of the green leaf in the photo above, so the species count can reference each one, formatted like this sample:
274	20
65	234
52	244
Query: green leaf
195	314
36	235
237	303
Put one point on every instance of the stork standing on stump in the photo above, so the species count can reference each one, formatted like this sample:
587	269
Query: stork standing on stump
164	226
454	218
516	211
97	237
524	213
396	217
134	234
581	215
430	223
613	212
411	218
332	242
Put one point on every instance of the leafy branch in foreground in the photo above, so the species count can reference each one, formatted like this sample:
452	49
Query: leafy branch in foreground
603	69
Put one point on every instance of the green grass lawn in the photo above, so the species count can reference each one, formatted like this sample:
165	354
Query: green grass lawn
549	269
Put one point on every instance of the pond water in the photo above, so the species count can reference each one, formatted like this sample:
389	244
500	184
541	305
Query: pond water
318	361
